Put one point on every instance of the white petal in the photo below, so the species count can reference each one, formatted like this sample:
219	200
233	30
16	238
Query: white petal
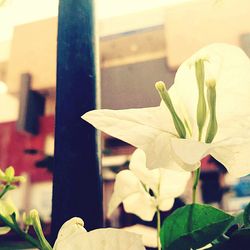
74	225
165	183
190	152
235	158
137	127
100	239
166	204
141	204
137	165
4	230
236	127
173	183
128	187
159	153
118	239
148	129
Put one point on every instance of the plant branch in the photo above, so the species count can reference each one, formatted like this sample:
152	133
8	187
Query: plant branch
158	228
14	226
196	180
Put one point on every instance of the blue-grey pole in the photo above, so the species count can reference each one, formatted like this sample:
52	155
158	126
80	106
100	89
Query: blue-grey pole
77	189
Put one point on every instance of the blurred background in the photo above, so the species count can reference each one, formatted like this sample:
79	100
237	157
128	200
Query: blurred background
141	42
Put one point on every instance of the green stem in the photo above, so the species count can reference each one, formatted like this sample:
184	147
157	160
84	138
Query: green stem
14	226
5	190
196	180
158	228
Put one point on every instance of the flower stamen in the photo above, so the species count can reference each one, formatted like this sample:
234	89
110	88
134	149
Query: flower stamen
211	100
179	126
201	106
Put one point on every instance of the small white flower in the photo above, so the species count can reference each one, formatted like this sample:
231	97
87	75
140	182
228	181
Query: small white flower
72	236
153	130
132	188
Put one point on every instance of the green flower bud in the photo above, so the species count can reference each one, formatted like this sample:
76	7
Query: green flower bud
179	126
201	106
6	208
211	100
34	216
27	219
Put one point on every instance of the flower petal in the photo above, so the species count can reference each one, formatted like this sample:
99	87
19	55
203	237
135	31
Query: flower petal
165	183
73	236
138	127
129	188
190	152
74	225
138	166
159	153
166	204
234	157
141	204
4	230
110	238
173	183
148	129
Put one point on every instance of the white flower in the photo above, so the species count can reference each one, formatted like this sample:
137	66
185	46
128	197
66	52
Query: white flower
72	236
153	129
132	188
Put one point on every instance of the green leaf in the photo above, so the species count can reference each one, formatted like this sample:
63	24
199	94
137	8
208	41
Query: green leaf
238	220
246	215
193	226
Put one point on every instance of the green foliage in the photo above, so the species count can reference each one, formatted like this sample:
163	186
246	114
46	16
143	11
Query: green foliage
193	226
8	182
246	215
240	238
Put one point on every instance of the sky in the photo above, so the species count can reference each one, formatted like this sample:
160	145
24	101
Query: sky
15	12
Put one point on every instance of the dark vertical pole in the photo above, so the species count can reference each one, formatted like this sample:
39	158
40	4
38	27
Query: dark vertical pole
77	187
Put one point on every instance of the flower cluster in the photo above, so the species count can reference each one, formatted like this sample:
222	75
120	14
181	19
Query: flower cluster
205	111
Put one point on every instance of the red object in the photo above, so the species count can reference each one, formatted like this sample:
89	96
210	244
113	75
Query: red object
13	143
208	166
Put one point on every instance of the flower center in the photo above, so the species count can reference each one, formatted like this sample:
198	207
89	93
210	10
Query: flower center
201	106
